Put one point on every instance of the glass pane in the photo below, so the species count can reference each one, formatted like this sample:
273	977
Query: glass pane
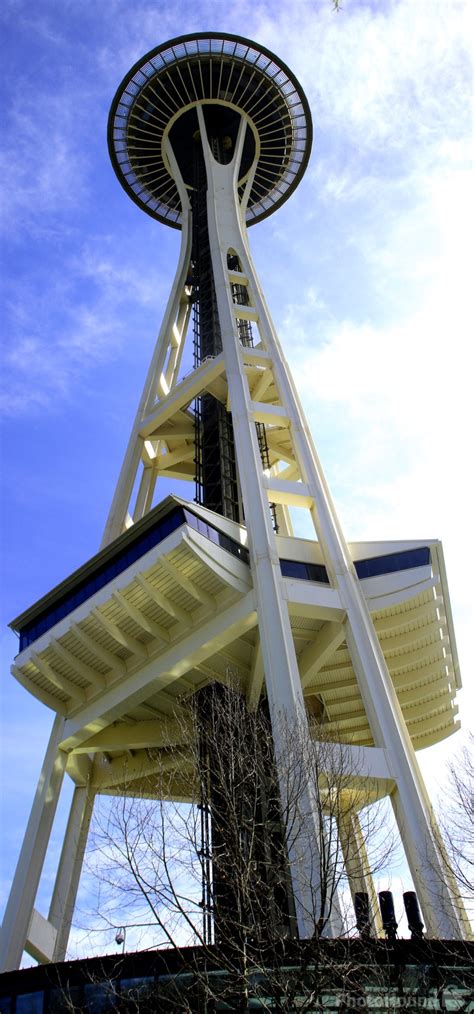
65	1001
30	1003
100	996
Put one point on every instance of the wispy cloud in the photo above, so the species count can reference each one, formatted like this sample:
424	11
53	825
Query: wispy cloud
114	277
54	338
43	167
392	74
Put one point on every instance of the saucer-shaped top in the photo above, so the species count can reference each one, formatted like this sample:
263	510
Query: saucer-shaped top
229	76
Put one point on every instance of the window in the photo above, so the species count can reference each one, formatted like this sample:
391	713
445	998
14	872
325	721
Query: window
392	562
304	571
30	1003
127	555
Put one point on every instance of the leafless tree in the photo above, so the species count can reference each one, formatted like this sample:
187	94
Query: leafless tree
211	868
457	820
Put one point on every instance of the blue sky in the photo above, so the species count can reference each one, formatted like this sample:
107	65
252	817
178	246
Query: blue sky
365	270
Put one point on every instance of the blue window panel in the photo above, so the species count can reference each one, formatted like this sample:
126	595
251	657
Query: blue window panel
125	557
304	571
100	997
137	983
133	989
214	535
291	568
388	564
65	999
393	562
30	1003
104	573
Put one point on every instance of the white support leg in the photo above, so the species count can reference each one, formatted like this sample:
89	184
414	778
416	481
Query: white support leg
357	865
279	658
143	491
283	520
441	908
176	353
70	865
20	904
176	316
432	876
257	675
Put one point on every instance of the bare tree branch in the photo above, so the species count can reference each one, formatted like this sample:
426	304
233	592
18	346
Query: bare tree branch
215	872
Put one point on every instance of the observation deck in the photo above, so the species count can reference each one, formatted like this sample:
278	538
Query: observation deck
230	77
169	606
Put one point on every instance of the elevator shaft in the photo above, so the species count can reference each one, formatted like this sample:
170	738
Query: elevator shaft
216	471
217	485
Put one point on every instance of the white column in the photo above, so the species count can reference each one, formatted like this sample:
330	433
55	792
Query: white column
175	317
441	907
280	664
442	910
70	865
433	879
30	863
357	865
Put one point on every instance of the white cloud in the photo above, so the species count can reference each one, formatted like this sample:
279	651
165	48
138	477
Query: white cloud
392	74
388	389
42	365
42	164
56	336
399	394
116	278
